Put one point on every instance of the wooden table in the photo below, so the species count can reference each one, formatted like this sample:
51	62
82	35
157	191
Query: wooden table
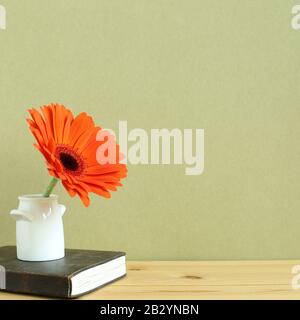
199	280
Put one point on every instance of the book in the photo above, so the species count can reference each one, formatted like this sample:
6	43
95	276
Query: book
78	273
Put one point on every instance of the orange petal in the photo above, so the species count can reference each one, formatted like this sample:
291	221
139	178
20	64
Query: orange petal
79	125
70	190
39	122
86	139
48	115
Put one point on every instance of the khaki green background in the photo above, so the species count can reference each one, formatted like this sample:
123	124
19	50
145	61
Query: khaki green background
231	67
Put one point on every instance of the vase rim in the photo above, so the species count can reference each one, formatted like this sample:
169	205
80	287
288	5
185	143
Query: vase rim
37	197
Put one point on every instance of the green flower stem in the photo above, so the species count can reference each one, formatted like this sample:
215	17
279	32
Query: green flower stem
50	188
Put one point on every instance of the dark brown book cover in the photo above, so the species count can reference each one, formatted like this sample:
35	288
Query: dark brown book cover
51	278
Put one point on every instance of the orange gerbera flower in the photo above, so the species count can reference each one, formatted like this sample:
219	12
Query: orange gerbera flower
70	146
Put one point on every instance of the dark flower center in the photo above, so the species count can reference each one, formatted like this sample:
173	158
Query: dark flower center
72	162
68	161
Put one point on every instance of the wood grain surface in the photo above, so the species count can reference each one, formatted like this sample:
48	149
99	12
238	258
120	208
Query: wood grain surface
198	280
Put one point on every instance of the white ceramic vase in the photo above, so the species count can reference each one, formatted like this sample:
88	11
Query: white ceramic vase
39	230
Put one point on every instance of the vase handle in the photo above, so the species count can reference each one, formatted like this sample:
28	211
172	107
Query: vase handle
21	215
62	209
